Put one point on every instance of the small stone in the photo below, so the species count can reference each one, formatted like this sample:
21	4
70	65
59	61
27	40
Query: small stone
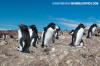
66	52
68	61
53	49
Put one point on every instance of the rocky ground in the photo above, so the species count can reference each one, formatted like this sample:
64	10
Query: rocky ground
58	54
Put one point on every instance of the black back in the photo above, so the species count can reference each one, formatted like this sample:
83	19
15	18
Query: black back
90	29
34	34
33	27
25	37
24	30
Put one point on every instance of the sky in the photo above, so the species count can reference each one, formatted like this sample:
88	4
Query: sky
42	12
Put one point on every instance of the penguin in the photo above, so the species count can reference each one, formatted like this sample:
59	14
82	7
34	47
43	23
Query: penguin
91	30
43	36
5	36
99	32
23	38
48	34
77	35
56	32
33	35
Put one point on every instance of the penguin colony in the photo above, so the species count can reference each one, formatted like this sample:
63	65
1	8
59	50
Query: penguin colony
28	35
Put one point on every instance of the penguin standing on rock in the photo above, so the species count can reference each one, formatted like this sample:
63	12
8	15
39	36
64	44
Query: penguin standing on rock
48	34
77	36
23	38
92	30
33	35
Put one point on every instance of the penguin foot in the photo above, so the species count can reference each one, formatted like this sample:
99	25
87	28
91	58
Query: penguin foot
34	46
57	37
26	51
42	46
88	37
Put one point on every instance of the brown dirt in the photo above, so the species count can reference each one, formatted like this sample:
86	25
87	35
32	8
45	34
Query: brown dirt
58	54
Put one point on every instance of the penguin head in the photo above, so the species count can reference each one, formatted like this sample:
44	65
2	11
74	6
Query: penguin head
52	25
82	26
45	28
95	25
32	27
23	27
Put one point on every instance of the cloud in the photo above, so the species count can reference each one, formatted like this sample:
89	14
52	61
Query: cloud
3	28
91	18
68	24
98	21
74	23
98	24
62	19
7	27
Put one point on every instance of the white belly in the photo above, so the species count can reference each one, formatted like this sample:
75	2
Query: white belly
55	33
30	32
93	30
19	34
48	36
79	36
19	37
42	36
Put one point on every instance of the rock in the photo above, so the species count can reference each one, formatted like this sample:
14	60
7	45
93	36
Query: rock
3	43
53	49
